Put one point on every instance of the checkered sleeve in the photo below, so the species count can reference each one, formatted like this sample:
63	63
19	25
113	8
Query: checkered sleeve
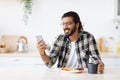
55	51
93	51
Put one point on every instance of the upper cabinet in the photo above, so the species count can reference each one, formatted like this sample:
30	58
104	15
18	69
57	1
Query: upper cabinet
117	9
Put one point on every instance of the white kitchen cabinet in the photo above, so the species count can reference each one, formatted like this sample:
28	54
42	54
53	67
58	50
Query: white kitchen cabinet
116	9
111	62
32	59
37	61
20	61
118	62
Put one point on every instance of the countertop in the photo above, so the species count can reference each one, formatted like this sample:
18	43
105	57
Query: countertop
20	54
42	72
36	53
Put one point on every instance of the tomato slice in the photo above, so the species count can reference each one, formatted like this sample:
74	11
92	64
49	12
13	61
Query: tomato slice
80	68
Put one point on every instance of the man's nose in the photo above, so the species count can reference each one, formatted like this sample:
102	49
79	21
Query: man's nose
65	25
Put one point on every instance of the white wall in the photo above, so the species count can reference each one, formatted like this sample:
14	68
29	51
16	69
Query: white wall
96	15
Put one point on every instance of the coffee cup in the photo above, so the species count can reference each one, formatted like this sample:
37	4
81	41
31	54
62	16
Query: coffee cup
92	68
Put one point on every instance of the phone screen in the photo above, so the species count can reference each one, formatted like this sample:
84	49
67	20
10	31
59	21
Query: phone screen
39	38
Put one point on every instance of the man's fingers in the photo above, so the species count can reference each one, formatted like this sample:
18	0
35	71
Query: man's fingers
100	68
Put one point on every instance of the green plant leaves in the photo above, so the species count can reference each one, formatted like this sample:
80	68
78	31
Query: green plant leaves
27	9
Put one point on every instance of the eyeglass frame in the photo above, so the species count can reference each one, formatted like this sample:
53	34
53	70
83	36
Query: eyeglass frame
67	23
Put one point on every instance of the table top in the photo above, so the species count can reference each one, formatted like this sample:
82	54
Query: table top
42	72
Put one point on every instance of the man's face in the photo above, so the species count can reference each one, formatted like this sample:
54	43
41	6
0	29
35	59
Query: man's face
69	26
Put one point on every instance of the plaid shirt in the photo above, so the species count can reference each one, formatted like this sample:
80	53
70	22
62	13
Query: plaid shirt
85	48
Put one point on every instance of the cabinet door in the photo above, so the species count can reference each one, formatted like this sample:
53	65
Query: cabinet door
110	62
118	62
20	61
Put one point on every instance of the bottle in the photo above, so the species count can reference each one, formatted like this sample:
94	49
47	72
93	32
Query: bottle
99	42
118	47
105	45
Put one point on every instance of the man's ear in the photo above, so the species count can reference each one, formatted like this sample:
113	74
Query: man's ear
77	24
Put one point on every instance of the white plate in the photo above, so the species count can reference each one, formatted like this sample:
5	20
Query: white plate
73	70
76	71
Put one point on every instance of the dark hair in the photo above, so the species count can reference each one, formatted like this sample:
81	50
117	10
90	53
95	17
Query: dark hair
75	17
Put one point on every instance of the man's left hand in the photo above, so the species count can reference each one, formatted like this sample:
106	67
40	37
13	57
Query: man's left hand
100	68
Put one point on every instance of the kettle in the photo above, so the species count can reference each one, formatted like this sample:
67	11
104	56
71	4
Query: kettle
22	44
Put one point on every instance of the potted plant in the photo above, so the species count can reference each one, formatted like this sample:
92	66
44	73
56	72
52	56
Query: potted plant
27	9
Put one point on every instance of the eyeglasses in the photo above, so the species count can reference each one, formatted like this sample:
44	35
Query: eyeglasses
67	23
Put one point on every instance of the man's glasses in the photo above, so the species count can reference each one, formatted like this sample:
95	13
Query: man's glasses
67	23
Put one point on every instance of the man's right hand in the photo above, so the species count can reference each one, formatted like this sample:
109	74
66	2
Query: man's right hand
41	46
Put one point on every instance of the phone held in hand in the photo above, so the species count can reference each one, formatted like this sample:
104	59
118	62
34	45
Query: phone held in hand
39	38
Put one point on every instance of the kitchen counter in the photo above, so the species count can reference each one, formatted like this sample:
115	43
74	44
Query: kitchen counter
32	58
41	72
36	54
20	54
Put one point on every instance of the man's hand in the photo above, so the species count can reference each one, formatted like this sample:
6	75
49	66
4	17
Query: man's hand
100	68
41	47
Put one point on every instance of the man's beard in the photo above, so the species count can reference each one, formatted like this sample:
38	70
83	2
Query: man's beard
69	32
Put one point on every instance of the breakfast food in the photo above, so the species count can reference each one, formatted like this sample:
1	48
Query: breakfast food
71	69
79	68
66	68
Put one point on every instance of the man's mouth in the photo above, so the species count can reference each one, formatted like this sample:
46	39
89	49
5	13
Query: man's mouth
66	31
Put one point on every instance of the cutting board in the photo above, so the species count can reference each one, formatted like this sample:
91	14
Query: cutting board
10	41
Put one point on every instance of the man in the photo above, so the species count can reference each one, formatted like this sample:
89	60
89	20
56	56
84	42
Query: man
73	49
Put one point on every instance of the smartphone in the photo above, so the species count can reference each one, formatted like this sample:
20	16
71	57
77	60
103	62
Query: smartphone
39	38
